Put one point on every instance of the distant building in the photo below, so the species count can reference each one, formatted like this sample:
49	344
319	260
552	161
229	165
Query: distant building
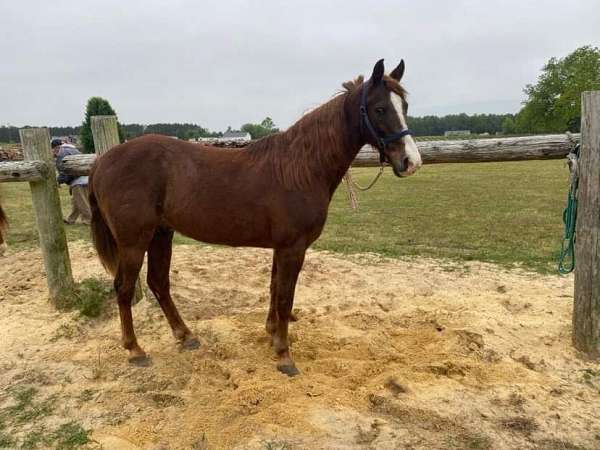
457	133
230	138
232	135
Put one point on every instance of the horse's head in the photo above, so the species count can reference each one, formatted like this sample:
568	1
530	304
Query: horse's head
384	109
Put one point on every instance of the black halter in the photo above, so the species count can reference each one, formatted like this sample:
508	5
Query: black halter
382	141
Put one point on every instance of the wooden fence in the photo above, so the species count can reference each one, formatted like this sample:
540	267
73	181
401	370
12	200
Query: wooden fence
38	170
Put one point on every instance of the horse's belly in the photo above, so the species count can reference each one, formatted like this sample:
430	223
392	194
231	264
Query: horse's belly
239	229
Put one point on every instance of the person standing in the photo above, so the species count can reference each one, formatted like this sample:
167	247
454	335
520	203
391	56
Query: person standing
78	186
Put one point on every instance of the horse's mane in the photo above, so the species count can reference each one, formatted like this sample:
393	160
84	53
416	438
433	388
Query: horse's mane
315	141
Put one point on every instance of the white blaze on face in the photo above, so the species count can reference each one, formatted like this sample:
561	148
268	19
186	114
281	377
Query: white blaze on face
412	152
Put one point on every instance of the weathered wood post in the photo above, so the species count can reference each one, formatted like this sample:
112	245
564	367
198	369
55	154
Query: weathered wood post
586	308
48	215
105	132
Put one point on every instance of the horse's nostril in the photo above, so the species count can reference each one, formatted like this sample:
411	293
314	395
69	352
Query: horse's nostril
406	163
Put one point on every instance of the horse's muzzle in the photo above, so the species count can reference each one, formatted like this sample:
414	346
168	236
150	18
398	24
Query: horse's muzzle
404	168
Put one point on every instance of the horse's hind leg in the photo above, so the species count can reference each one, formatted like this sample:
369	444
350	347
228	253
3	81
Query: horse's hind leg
130	263
159	263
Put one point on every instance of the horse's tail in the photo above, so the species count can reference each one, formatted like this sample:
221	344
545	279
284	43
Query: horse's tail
103	239
3	227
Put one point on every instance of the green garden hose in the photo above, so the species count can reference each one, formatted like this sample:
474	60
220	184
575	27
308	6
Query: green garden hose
566	260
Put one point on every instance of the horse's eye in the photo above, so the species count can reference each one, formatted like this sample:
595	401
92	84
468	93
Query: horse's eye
380	110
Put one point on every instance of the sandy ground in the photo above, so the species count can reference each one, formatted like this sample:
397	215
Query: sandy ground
393	354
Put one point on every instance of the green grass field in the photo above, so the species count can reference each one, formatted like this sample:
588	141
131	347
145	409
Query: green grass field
507	213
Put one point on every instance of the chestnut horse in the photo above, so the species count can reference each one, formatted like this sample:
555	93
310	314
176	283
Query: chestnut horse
274	193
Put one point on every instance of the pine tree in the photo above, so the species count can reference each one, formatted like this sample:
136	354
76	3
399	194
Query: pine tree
96	106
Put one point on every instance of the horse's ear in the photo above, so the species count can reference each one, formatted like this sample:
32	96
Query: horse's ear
377	75
398	71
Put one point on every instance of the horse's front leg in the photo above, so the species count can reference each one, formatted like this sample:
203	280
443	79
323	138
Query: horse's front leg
288	263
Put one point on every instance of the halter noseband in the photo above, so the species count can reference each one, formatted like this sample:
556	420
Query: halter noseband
382	141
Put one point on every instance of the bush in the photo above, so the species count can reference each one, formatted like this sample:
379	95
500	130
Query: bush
89	297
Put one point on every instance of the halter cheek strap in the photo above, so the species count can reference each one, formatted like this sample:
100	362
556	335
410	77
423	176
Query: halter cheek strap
382	141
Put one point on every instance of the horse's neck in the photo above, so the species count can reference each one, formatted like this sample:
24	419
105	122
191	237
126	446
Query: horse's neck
351	138
349	141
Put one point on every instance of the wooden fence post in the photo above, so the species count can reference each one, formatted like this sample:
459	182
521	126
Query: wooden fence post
48	215
105	132
586	308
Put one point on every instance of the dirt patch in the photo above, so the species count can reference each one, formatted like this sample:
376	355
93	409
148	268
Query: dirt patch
393	354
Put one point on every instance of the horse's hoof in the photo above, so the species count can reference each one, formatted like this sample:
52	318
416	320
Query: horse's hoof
190	343
289	369
140	361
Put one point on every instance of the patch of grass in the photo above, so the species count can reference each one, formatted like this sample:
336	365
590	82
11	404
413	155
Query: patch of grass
590	377
24	418
25	410
201	443
558	444
525	425
477	442
70	435
24	398
87	395
65	330
277	445
6	441
467	440
507	213
89	297
22	414
35	439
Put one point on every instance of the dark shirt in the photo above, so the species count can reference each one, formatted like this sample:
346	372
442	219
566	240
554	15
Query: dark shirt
67	150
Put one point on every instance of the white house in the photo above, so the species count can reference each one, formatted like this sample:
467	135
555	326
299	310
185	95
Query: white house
241	136
457	133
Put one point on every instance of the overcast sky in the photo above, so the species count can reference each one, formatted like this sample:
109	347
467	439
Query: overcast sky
220	63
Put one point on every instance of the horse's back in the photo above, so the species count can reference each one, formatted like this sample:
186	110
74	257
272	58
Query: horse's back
144	163
155	180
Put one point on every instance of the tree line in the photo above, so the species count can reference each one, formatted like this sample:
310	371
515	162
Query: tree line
423	126
475	123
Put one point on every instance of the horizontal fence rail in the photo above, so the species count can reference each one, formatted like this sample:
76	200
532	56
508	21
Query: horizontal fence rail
78	164
552	146
23	171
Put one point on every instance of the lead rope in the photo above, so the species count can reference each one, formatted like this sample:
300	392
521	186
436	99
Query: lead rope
351	185
566	260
